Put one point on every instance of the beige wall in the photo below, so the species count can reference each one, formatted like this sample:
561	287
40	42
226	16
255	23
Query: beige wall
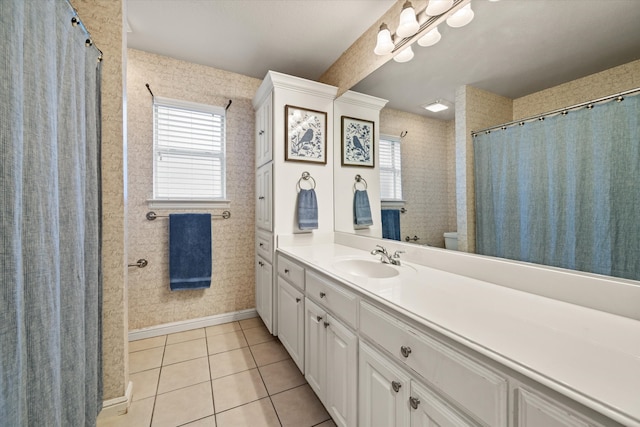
104	21
608	82
427	174
232	288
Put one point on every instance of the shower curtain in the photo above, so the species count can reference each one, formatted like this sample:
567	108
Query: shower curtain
50	294
564	191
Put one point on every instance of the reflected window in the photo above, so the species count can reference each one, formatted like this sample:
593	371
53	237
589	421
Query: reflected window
390	168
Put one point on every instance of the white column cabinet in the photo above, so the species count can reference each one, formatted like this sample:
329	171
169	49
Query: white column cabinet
264	294
291	321
264	197
264	135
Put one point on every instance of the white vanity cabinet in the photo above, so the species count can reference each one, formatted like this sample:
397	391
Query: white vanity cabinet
534	410
264	294
291	309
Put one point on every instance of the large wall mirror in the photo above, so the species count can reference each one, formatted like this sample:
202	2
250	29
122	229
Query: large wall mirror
512	48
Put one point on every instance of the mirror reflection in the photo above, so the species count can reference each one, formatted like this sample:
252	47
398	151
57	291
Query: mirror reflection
516	59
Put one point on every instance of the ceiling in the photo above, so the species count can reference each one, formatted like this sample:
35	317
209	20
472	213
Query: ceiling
512	47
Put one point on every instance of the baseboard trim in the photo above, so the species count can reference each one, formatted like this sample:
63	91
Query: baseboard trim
186	325
117	405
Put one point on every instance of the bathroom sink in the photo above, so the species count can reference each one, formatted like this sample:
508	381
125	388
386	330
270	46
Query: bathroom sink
366	268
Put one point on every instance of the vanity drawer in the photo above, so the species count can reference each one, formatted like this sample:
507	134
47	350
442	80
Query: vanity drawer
338	301
478	390
291	272
264	248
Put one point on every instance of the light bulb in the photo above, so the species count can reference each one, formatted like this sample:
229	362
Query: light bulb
461	18
384	44
408	25
438	7
431	38
404	56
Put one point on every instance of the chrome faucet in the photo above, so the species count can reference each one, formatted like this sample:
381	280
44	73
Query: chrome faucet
385	257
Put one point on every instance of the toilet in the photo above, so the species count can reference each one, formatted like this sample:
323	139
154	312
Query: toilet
451	240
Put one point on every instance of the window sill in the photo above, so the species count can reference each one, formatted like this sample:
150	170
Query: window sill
392	204
188	204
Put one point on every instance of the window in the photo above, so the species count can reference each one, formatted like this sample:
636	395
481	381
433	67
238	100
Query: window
390	169
188	151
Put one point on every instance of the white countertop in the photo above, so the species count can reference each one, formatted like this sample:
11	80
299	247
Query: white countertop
590	356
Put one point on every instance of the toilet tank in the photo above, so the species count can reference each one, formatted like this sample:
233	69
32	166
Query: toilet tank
451	240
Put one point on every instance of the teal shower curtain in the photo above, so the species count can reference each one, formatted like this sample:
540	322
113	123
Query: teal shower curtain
50	294
563	191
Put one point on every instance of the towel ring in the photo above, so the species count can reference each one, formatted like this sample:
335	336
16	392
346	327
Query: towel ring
306	176
361	180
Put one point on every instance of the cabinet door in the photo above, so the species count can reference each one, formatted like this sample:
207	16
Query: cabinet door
264	145
291	321
264	291
536	411
429	410
264	195
342	365
315	347
384	391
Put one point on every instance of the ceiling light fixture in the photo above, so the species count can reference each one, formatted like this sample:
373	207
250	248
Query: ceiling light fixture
461	18
427	32
405	55
431	38
408	24
438	7
436	106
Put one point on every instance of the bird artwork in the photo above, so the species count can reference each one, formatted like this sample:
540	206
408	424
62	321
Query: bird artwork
305	144
357	144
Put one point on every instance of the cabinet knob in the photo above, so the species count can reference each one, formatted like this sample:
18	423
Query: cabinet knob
322	295
261	263
414	401
298	300
261	132
405	350
261	198
319	318
286	271
326	324
261	244
396	386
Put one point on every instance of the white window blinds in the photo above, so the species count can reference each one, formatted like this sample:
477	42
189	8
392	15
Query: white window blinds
390	168
189	151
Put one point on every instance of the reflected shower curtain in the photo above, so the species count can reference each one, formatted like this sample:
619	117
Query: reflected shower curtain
564	191
50	294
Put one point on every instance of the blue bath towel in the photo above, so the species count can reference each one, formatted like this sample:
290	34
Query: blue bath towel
189	251
307	210
361	209
391	224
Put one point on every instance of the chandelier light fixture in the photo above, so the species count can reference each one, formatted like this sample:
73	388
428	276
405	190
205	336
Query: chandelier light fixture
427	34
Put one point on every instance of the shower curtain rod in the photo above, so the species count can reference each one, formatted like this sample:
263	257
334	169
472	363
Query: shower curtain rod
617	96
76	21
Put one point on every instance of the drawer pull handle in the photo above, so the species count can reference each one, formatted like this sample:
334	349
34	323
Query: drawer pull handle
298	300
319	318
326	324
414	402
396	386
286	271
405	350
322	295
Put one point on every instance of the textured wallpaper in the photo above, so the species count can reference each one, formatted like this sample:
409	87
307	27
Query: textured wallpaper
232	288
428	175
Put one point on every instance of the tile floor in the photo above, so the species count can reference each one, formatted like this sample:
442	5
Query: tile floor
235	374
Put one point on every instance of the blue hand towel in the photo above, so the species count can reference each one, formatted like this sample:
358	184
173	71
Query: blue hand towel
307	210
391	224
361	209
189	251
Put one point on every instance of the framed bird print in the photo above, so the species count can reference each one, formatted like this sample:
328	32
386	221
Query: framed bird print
305	135
357	142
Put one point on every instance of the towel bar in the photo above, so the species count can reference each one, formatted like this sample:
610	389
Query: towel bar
152	215
305	176
361	180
